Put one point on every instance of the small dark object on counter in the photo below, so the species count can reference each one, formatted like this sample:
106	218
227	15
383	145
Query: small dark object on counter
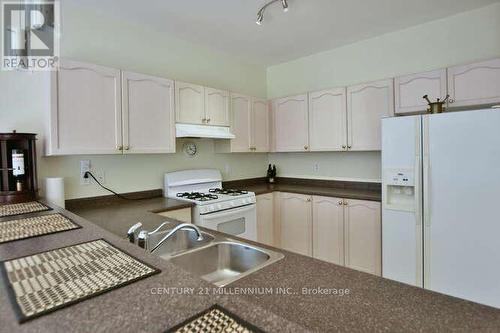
271	173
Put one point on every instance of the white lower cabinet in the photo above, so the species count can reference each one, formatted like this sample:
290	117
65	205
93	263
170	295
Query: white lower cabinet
341	231
295	211
363	236
328	229
265	219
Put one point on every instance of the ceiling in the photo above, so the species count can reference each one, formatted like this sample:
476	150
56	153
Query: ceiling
310	26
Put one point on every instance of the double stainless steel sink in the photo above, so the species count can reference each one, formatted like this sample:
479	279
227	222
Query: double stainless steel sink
216	259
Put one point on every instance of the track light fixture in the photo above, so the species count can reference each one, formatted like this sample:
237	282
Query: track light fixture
260	13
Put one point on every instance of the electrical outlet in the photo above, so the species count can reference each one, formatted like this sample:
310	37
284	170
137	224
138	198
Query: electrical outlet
84	167
101	176
316	167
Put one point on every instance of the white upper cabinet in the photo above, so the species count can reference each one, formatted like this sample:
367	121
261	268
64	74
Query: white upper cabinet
367	104
86	110
328	120
216	107
291	131
189	103
328	229
363	240
250	125
148	114
410	89
241	119
474	84
260	125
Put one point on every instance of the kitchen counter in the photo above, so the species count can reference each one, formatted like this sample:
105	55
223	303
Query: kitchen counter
338	189
372	303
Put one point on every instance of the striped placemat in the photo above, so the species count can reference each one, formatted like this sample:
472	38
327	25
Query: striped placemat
215	319
12	230
47	281
22	208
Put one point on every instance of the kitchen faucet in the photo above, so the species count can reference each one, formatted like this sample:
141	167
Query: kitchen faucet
143	238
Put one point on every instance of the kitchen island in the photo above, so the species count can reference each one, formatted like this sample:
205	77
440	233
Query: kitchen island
295	294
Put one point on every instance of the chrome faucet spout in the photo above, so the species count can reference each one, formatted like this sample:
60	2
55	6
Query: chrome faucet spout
183	226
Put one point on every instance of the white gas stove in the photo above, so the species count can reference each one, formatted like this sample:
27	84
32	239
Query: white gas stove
226	210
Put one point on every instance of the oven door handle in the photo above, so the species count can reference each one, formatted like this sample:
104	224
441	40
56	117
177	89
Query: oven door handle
229	212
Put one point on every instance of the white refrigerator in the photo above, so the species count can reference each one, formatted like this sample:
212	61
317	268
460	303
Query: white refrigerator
441	203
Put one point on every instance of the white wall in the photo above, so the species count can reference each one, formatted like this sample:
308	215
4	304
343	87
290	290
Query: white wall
458	39
86	36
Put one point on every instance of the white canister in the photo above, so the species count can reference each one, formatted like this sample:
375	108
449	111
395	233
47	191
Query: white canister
54	191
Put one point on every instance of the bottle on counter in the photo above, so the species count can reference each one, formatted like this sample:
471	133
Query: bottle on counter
18	168
270	178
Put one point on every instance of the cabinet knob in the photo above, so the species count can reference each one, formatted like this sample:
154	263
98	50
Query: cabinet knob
119	148
306	147
345	203
127	148
308	199
349	147
344	147
204	120
208	120
340	203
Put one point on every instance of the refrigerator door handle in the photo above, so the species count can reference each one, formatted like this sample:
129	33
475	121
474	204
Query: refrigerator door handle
427	184
418	191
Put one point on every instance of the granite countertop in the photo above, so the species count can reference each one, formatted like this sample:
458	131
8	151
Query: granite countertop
372	304
338	189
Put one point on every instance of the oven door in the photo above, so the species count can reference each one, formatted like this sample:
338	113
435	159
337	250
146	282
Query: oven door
241	221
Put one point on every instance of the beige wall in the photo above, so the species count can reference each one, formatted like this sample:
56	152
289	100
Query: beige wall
463	38
24	96
89	37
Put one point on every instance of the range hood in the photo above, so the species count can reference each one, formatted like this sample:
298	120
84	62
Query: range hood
203	131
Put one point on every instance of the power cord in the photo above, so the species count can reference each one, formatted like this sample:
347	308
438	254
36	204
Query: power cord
88	173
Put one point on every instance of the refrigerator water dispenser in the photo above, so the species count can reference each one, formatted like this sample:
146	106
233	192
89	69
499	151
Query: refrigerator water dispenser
399	191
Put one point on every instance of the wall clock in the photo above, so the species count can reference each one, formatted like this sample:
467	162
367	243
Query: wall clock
190	149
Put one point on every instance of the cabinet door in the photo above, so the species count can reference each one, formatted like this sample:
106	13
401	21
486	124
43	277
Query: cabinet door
410	89
328	229
474	84
291	124
265	219
189	103
367	104
328	120
260	125
241	118
87	116
217	107
148	114
363	240
296	223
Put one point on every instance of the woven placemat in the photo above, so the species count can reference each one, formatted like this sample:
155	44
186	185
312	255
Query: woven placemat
215	319
47	281
22	208
13	230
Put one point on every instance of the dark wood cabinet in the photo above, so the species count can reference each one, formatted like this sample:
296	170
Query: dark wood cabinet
18	173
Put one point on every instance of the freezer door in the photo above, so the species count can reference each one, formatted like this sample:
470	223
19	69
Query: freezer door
461	207
402	224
